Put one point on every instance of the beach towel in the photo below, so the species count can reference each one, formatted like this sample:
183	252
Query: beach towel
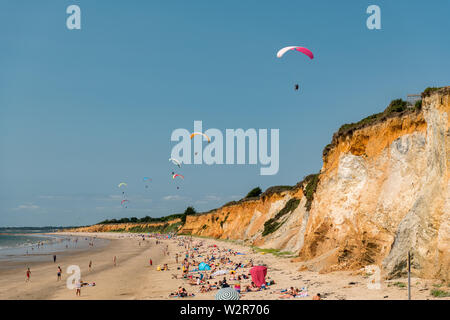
259	275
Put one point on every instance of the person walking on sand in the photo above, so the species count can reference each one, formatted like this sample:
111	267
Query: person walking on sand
115	261
90	265
59	274
151	262
78	286
54	258
28	275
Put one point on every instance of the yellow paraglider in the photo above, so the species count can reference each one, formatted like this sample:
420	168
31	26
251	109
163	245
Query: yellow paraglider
122	184
202	134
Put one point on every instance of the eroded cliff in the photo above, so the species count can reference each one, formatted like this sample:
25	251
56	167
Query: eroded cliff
382	191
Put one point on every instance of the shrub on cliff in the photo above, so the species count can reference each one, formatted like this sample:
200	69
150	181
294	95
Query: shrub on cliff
189	211
274	223
397	105
256	192
418	105
428	91
309	190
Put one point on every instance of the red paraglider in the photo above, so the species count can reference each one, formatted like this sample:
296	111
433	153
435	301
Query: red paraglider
299	49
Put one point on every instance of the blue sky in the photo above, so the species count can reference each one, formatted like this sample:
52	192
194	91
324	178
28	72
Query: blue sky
82	110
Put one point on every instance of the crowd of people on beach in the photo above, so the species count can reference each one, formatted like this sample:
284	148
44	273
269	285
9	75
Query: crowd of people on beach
208	268
205	268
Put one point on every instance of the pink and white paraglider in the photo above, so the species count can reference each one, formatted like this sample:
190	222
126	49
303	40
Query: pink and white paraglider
303	50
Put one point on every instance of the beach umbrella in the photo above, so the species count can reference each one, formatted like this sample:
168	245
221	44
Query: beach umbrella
227	294
204	266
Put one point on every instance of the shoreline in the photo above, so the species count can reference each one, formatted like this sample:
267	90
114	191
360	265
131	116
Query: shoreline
50	244
134	278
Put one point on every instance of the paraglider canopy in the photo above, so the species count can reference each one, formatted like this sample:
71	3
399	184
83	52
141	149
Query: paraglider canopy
200	133
122	184
259	275
175	161
295	48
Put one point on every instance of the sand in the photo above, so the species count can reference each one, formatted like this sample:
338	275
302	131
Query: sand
134	278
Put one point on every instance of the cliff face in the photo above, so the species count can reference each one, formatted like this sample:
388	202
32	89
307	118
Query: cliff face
383	190
115	227
245	221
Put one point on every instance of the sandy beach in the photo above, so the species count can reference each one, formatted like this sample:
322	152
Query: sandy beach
134	278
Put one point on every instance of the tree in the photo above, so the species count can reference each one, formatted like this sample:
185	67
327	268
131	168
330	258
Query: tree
254	193
189	211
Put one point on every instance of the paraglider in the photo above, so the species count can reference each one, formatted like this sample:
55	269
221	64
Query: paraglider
124	201
200	133
177	175
296	87
303	50
122	184
175	161
146	179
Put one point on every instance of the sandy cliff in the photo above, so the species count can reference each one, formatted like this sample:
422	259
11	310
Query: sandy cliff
382	190
126	227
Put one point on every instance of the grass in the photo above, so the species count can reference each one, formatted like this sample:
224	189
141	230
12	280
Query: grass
399	284
275	252
440	293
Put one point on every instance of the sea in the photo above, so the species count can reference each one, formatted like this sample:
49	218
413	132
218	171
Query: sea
39	244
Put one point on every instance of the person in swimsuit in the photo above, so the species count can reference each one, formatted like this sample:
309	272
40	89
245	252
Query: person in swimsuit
78	286
28	275
59	273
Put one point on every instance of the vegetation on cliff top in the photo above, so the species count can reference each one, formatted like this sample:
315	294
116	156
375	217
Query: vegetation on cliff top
428	91
146	219
396	108
189	211
256	192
